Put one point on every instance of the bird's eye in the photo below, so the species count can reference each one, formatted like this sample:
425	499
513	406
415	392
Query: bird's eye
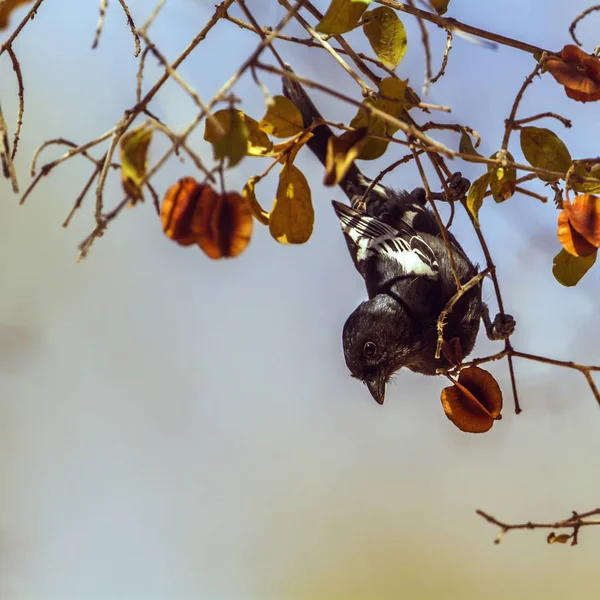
370	348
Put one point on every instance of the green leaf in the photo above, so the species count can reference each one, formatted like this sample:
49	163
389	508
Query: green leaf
134	159
292	216
386	34
544	149
441	6
568	269
258	142
475	195
502	181
465	146
282	119
342	16
228	134
583	170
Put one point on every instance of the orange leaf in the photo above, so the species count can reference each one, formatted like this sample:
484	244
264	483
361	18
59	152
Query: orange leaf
578	72
178	213
584	216
474	402
572	241
226	225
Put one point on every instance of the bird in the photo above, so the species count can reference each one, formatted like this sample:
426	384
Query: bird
398	248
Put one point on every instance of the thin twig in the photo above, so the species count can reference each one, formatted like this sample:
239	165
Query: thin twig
21	93
444	64
578	18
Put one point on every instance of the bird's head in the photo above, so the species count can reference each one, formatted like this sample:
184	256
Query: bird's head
379	338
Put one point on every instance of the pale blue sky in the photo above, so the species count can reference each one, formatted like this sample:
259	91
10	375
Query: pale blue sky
176	428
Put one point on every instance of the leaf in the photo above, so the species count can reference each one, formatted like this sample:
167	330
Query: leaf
249	195
258	142
292	216
289	149
563	538
225	225
584	216
178	213
543	149
134	160
502	181
282	119
6	8
465	146
441	6
386	34
474	402
228	134
572	241
342	16
476	194
342	151
589	171
395	91
568	269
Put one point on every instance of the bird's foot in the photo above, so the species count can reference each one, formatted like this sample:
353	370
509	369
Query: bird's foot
501	328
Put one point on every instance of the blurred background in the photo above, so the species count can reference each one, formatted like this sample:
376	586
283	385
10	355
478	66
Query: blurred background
173	427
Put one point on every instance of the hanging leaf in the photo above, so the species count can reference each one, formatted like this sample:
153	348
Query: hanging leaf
292	216
249	195
225	225
441	6
282	119
342	16
395	101
502	181
6	8
474	402
179	214
228	134
342	151
572	241
134	160
386	34
568	269
258	142
584	216
543	149
562	538
476	194
465	146
587	170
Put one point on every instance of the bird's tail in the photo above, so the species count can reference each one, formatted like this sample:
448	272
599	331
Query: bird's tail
354	184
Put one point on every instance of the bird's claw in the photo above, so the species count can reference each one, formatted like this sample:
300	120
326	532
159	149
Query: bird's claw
501	328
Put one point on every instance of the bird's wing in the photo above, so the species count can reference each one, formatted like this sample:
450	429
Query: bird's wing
374	237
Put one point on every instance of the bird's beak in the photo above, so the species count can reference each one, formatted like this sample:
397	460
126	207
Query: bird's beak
376	385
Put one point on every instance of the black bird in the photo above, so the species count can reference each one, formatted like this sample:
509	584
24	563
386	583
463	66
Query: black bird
397	246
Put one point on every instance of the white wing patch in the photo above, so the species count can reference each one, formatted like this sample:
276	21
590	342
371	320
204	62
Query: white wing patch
373	236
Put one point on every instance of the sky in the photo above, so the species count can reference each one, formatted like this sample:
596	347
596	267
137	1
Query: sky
175	427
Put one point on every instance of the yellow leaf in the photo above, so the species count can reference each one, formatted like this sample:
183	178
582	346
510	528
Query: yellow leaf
6	8
587	171
502	180
562	538
287	151
342	16
395	91
386	34
249	195
282	119
228	133
542	148
342	151
475	195
568	269
292	216
134	160
441	6
216	126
